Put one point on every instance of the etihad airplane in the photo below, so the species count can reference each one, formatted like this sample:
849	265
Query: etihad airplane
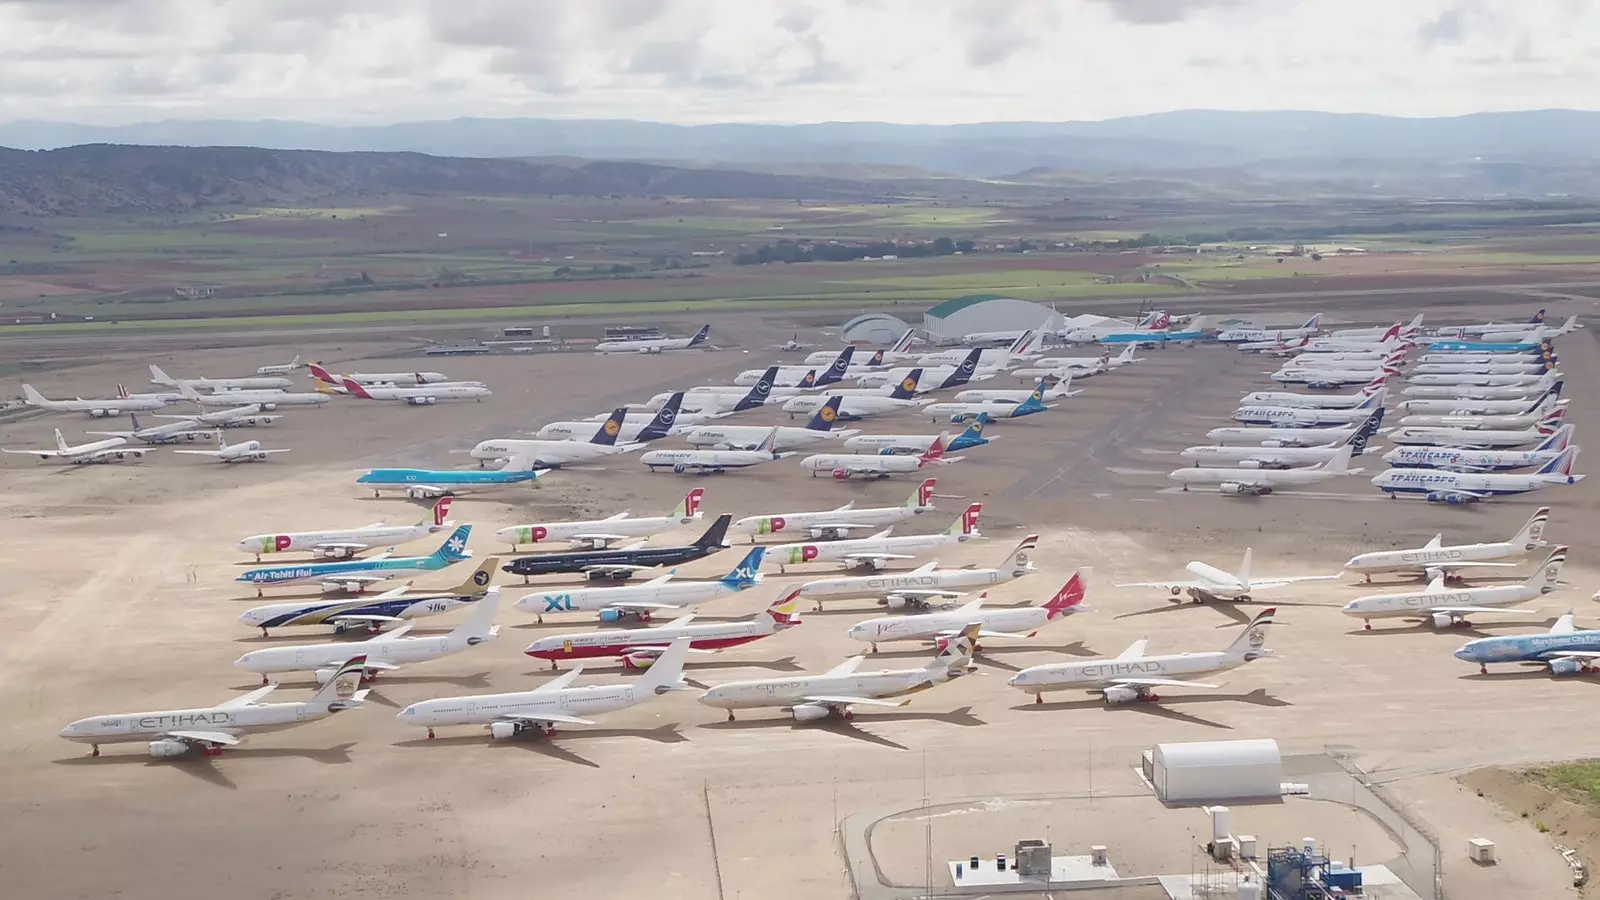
1483	392
384	652
748	437
1536	412
219	385
373	613
1434	559
1265	457
211	728
713	461
1468	407
620	563
171	433
1440	486
638	648
283	369
1019	622
431	484
376	378
1240	335
264	400
347	542
1314	401
876	465
643	601
356	574
918	444
874	552
1133	675
421	395
1445	607
555	454
899	351
1303	417
654	345
114	449
839	522
1211	583
246	416
960	412
244	451
1463	460
920	587
836	692
1265	481
1479	438
99	409
598	534
1563	649
551	704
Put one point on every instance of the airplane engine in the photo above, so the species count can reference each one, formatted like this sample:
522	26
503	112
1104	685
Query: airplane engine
808	712
1567	667
610	616
886	451
258	455
1119	694
841	474
679	468
420	493
1244	490
267	407
168	749
102	413
501	731
1441	620
333	553
420	401
1445	497
638	661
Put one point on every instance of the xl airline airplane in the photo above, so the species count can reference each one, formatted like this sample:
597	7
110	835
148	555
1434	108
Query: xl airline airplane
654	345
99	409
244	451
220	385
839	522
211	728
890	444
421	395
748	437
639	647
376	378
553	703
868	465
347	542
1211	583
878	550
923	585
1009	622
1435	560
1132	675
114	449
598	534
170	433
1469	487
1444	607
372	613
1265	481
834	693
356	574
643	601
1240	335
555	454
1462	460
1564	649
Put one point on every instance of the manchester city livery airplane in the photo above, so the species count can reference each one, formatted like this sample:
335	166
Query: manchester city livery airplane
1265	481
1009	622
356	574
877	551
221	385
373	613
598	534
1464	460
877	465
1441	486
643	601
244	451
836	692
1132	675
925	584
113	449
619	563
639	647
1564	649
654	345
1435	560
553	703
1211	583
346	542
1444	607
211	728
840	521
99	409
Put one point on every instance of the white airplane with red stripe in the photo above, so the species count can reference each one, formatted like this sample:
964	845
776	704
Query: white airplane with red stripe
1009	622
878	550
345	543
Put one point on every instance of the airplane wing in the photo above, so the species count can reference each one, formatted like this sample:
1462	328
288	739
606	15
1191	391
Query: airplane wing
352	546
199	452
847	667
560	681
1163	585
1270	583
118	451
389	636
356	617
1135	650
1465	610
839	527
855	701
545	717
950	633
924	569
203	737
270	452
34	452
617	567
1157	682
876	557
912	592
640	604
247	699
597	536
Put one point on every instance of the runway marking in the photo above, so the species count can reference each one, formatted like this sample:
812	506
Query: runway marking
1118	470
1152	451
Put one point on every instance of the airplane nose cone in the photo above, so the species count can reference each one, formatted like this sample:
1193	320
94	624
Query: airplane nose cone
70	730
250	618
1465	653
710	698
1351	609
243	662
408	712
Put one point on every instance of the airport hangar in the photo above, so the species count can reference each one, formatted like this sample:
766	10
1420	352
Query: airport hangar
956	318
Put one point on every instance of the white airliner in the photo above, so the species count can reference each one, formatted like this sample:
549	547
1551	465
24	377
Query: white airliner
1464	460
99	409
834	693
932	378
1239	335
555	454
263	400
553	703
1313	401
219	385
896	352
345	543
654	345
1267	436
712	461
1534	413
1479	438
1473	379
170	433
389	378
1211	583
1263	457
1007	622
837	522
249	415
244	451
1132	675
375	612
877	551
1461	406
875	465
746	437
114	449
1075	366
282	369
1301	417
1061	391
1377	332
960	412
383	652
211	728
1316	378
1456	332
1265	481
419	395
1440	486
925	584
854	406
1492	367
1443	607
597	534
1434	559
643	601
639	647
1022	346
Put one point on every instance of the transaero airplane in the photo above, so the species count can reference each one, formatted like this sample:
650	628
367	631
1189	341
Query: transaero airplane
356	574
1441	486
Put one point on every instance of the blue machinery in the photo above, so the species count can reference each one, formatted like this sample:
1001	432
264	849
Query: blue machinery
1301	873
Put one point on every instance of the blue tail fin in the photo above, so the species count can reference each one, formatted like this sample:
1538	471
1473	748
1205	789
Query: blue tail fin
700	336
963	372
1538	318
835	372
809	381
454	548
661	425
907	388
759	392
1373	423
1034	403
748	572
826	415
1562	464
135	417
973	436
610	428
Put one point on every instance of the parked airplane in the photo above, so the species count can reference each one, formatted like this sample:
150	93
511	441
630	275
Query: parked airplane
1240	335
960	412
1497	367
598	534
1536	412
245	451
1265	457
1472	379
890	444
1211	583
376	378
555	454
248	415
1266	436
921	586
1469	407
748	437
1265	481
1313	401
1378	331
264	400
619	563
1076	366
1435	560
636	427
895	352
838	522
372	613
834	693
347	542
1150	328
639	647
877	551
834	373
1333	379
1346	359
1007	622
1441	354
211	728
859	406
384	651
420	395
429	484
283	369
654	345
1479	438
220	385
1302	417
1462	330
933	378
1469	487
1024	345
1061	391
1564	649
553	703
714	462
877	465
98	409
1483	392
767	387
170	433
356	574
993	337
1462	460
642	601
1444	607
1132	675
114	449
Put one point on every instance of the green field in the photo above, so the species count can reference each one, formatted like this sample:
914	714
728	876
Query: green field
1578	780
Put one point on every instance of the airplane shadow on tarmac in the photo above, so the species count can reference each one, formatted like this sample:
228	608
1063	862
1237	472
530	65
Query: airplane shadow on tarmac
1240	613
476	680
850	727
987	655
786	664
1163	708
550	745
205	768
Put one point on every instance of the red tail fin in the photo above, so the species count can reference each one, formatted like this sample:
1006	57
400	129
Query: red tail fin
441	510
935	450
1069	597
969	519
356	389
321	374
925	492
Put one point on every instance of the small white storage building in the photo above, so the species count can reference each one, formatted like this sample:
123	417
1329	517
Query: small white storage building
1204	771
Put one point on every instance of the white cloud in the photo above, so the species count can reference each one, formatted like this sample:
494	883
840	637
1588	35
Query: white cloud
786	60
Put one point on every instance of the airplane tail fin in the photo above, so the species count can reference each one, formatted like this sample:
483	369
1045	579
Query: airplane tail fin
967	522
1415	326
826	414
973	436
907	388
1392	333
1531	534
134	418
1561	466
1020	345
187	392
323	375
1552	421
935	450
340	690
759	392
1570	325
1374	399
441	509
689	508
841	364
479	580
666	673
1558	439
784	611
905	341
454	548
34	397
1313	323
1538	318
479	624
1020	559
956	652
1244	566
964	371
717	534
1035	401
666	416
1254	636
1358	442
700	336
1548	575
1069	599
1340	461
769	444
159	377
356	389
61	442
748	571
921	497
606	434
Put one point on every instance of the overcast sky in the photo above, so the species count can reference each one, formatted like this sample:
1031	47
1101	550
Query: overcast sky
691	61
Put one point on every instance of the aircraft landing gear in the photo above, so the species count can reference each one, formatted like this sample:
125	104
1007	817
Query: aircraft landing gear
94	749
1186	489
1483	670
874	648
730	715
430	734
554	667
1038	699
264	631
1366	624
265	681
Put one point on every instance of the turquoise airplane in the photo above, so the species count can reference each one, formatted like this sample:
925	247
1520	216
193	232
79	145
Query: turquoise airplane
1563	648
354	575
426	484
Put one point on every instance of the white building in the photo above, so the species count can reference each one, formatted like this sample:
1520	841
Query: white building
1206	771
954	319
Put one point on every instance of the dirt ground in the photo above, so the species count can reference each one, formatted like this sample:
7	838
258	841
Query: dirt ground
120	599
